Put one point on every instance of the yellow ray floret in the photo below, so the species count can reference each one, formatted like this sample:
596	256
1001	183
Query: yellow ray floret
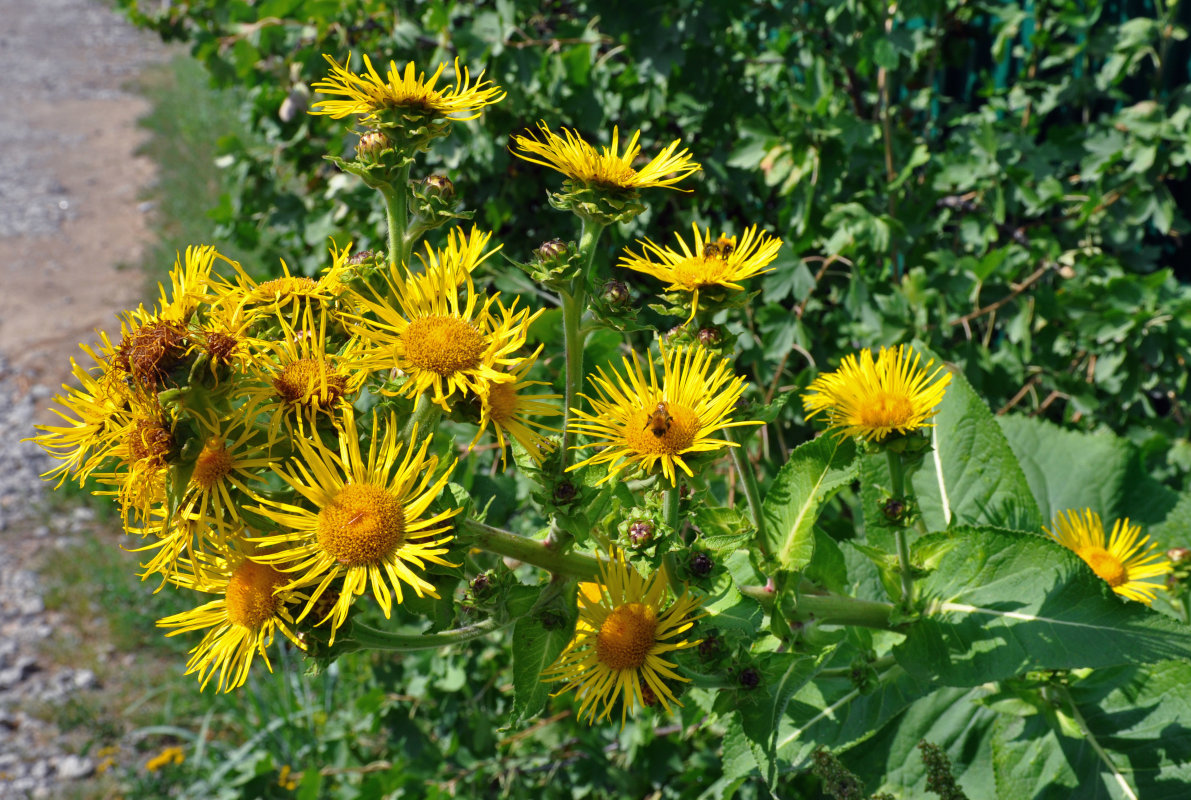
369	95
607	167
1124	558
873	399
624	631
359	523
636	421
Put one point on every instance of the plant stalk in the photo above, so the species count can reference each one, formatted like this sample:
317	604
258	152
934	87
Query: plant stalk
397	216
751	490
574	303
897	479
522	548
365	637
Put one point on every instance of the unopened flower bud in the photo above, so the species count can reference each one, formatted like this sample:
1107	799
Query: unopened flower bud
548	251
616	293
1178	555
701	565
749	678
438	186
360	257
564	492
640	532
371	145
480	584
710	336
709	647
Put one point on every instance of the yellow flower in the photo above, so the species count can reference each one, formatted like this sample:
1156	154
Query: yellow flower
240	623
288	295
443	343
706	263
463	253
168	756
874	399
404	93
363	520
635	422
508	410
300	379
151	346
95	415
190	283
607	167
1124	559
145	450
622	635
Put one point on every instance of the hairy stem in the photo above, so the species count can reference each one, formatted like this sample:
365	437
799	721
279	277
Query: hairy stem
530	551
365	637
574	303
397	216
751	490
897	479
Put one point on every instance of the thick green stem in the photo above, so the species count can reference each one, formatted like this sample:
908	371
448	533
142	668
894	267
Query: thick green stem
423	419
751	490
829	609
574	303
505	543
672	499
897	480
365	637
397	216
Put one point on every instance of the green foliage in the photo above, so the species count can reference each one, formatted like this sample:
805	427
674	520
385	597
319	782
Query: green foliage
995	182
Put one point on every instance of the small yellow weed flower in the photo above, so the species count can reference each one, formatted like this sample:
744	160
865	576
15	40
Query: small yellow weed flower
362	520
1124	559
403	93
873	399
638	422
240	623
608	167
707	262
167	757
624	630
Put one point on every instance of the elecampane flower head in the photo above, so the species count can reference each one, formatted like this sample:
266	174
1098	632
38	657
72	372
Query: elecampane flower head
707	262
288	295
190	283
445	344
624	631
403	94
608	167
635	421
240	623
456	262
873	399
145	450
300	379
507	407
361	519
1124	558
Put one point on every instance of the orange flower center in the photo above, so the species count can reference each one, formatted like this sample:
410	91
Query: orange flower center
361	525
151	351
699	271
502	402
310	382
1105	564
149	440
250	599
212	464
443	345
626	636
649	432
886	410
221	346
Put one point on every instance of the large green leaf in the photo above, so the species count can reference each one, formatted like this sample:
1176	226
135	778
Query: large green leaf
815	472
1129	740
538	638
971	476
1074	470
952	718
835	713
999	603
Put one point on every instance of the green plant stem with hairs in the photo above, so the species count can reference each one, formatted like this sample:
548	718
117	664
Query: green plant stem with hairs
397	216
574	303
530	551
751	490
365	637
897	480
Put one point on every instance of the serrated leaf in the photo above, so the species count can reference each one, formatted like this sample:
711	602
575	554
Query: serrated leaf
815	472
724	530
999	603
534	649
784	674
1074	470
971	476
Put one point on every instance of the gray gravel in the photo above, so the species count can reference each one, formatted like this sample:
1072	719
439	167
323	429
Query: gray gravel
52	53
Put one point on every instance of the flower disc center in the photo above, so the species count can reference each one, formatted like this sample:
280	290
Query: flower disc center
677	433
502	402
886	410
361	525
250	598
624	639
1106	565
301	381
292	286
149	440
212	464
443	345
699	271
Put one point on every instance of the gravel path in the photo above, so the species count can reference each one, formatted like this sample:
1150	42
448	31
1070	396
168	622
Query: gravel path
70	219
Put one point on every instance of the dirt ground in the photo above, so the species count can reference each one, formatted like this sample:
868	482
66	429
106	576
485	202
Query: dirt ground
72	220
